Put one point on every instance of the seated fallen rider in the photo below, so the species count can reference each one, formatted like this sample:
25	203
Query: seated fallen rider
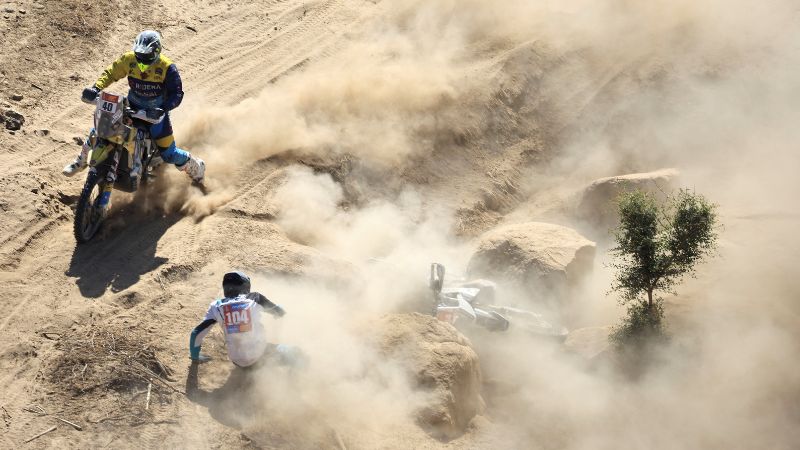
240	314
154	83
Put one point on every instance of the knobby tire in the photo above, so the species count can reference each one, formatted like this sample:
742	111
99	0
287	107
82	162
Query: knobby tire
81	209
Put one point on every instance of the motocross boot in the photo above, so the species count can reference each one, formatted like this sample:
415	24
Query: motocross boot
195	168
80	163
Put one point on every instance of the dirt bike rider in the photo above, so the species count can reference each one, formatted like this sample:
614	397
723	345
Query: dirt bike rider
240	314
154	84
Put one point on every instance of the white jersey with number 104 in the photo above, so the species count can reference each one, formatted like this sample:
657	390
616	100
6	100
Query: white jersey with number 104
241	321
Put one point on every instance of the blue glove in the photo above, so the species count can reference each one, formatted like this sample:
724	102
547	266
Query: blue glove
194	354
201	358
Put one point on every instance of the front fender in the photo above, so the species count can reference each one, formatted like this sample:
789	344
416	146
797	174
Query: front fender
100	152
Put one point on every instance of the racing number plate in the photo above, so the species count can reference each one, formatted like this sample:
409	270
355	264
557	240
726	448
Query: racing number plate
237	318
109	102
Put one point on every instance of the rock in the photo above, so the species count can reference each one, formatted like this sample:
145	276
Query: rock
77	140
597	204
17	97
13	120
588	343
441	361
546	260
42	132
8	9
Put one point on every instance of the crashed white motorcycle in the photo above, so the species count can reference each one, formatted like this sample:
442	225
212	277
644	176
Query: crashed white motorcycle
469	304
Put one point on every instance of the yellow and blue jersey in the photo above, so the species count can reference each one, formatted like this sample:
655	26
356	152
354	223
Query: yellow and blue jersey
157	87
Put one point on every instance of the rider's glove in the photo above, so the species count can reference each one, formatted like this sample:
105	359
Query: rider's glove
277	311
201	358
90	94
194	354
154	113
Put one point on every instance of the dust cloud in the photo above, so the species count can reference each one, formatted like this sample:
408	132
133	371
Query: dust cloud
370	102
347	382
707	87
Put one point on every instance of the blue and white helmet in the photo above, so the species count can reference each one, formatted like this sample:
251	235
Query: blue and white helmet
147	48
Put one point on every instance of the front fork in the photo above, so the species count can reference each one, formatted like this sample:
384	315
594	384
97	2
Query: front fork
104	202
107	182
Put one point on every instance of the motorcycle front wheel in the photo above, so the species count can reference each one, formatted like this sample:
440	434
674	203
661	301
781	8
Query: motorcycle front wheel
87	214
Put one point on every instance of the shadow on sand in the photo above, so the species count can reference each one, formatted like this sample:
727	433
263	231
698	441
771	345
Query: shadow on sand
123	250
265	408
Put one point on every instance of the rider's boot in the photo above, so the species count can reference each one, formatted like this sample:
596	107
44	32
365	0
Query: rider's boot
195	168
80	163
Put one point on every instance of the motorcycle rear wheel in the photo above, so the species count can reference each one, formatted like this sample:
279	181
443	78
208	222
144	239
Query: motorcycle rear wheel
87	215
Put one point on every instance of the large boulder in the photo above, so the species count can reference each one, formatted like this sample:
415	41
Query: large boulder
598	202
439	360
546	260
588	343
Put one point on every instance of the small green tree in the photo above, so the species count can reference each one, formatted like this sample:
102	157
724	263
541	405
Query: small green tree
657	244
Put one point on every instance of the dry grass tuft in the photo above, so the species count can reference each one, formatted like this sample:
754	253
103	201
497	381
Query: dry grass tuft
120	360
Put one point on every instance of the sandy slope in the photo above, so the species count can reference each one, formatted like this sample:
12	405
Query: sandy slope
152	273
475	112
48	285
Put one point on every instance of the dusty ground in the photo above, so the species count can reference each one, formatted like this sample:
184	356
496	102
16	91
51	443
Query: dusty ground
152	274
435	122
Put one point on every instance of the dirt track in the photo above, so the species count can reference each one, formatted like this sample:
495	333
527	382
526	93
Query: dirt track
473	127
150	273
140	273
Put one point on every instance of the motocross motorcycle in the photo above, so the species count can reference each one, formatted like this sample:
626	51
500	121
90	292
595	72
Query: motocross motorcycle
468	304
123	157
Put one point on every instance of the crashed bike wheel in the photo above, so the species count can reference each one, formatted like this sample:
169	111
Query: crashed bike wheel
87	217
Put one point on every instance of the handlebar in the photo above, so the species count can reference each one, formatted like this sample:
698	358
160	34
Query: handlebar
152	116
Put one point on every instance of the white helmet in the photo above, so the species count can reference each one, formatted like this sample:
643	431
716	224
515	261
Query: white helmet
147	48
